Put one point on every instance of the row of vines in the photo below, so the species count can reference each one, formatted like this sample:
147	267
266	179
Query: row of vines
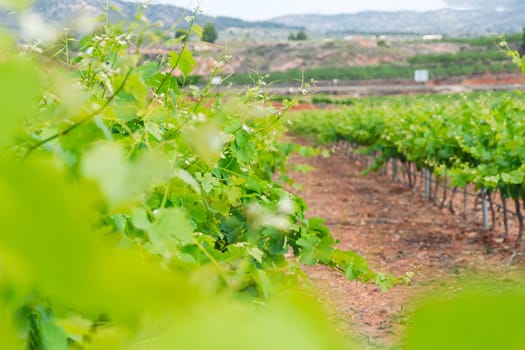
468	140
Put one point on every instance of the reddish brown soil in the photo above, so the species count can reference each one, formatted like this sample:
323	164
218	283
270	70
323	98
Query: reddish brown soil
304	107
298	107
482	80
396	232
495	80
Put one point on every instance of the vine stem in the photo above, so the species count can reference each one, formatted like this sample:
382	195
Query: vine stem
521	225
220	268
81	121
505	215
177	62
277	116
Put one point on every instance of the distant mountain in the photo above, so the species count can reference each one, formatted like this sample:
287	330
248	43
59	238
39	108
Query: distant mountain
64	10
468	17
510	17
484	3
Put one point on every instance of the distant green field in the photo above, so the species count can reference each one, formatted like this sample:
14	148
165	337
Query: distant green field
462	57
487	41
438	70
481	55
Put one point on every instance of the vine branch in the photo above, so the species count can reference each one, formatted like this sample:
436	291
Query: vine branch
177	62
83	120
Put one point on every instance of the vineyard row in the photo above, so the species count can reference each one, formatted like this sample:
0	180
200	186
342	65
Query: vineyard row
473	144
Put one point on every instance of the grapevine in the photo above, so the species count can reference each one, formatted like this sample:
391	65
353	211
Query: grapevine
469	139
132	205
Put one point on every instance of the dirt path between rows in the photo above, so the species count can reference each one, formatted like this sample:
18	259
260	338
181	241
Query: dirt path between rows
396	232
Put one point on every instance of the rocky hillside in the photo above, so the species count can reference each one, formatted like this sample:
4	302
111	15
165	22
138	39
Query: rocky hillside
509	4
470	21
62	10
466	17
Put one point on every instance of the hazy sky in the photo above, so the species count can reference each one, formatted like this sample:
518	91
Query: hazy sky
264	9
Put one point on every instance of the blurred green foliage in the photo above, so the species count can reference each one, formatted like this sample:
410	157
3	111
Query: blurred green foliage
472	320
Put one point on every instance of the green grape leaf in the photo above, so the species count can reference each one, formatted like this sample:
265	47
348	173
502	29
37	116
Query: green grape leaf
308	256
138	89
255	253
188	179
471	320
123	181
264	284
492	180
515	177
20	86
50	246
51	335
76	327
207	141
185	62
154	130
209	182
172	228
198	30
9	334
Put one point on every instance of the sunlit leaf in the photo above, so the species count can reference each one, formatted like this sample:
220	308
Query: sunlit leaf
198	30
20	89
121	180
470	321
185	62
